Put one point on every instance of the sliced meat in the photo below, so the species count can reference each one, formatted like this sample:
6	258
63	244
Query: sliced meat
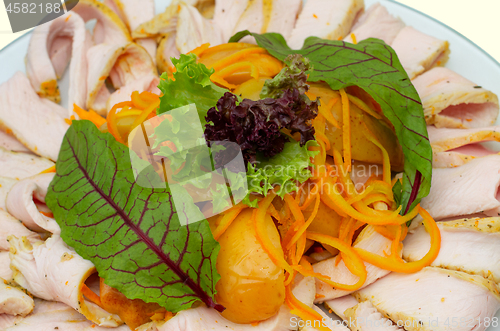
166	50
340	305
11	144
5	271
455	147
26	202
7	321
21	165
122	63
194	30
326	321
365	317
452	101
419	52
33	121
160	25
262	16
204	319
465	190
9	225
425	300
376	22
52	271
470	245
325	19
134	13
13	301
145	83
369	240
50	49
49	316
5	186
227	13
109	28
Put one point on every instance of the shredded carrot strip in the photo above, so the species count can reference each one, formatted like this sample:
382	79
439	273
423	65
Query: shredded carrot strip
356	265
47	214
128	112
385	156
49	170
222	82
258	217
389	231
238	66
90	115
200	49
226	47
138	102
346	129
303	311
233	58
363	106
273	212
302	229
89	294
294	208
112	127
141	118
227	218
395	263
361	195
326	111
376	198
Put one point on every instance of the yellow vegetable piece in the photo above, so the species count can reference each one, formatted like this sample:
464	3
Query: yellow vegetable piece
251	285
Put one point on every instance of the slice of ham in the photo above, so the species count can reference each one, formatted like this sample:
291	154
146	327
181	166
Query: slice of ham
13	301
49	51
325	19
21	203
425	300
5	271
52	271
6	184
33	121
478	252
204	319
134	13
21	165
452	101
50	316
109	28
465	190
194	30
376	22
369	240
340	305
455	147
146	83
10	225
11	144
419	52
365	317
122	63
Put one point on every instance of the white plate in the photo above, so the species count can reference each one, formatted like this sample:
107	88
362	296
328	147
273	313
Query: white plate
466	58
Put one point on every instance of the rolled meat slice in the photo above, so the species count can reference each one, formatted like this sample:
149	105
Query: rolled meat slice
13	300
26	202
434	299
123	63
376	22
11	144
478	252
109	28
6	184
35	122
340	305
21	165
455	147
5	271
52	271
368	239
9	225
50	315
452	101
51	46
365	317
472	188
419	52
325	19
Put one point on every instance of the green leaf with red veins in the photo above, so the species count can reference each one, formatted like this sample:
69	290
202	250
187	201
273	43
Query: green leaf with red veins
131	233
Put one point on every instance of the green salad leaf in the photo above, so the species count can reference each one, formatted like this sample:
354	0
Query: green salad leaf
191	84
373	66
131	233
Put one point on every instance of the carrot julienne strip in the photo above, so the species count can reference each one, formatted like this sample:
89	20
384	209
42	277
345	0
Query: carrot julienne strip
227	218
89	294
